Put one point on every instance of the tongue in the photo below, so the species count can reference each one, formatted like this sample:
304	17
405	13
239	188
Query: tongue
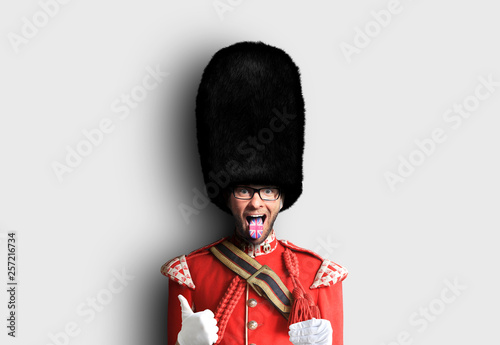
256	227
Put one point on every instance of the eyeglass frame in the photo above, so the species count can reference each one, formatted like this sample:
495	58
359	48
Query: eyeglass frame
256	190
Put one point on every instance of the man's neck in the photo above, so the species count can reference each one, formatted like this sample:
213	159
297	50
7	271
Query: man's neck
253	250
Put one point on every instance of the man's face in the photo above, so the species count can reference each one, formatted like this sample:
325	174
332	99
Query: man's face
243	210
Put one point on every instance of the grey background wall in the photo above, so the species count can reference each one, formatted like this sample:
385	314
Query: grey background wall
97	146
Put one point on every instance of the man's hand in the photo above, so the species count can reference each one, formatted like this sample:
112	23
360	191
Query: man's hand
197	328
311	332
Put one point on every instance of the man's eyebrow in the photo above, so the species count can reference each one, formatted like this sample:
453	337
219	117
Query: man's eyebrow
259	186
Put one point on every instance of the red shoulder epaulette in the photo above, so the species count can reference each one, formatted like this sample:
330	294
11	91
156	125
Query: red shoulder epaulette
177	269
329	272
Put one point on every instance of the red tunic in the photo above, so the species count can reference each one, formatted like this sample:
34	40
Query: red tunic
203	280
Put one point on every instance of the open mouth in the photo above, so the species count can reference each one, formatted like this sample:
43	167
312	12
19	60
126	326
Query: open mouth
256	225
256	218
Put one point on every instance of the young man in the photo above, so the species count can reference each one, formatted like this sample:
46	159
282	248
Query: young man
251	288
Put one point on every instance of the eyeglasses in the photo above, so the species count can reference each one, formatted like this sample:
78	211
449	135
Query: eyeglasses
247	193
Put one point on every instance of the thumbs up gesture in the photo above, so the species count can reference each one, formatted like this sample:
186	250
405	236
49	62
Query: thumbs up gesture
197	328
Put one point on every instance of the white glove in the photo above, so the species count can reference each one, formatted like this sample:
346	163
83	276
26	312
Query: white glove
311	332
197	328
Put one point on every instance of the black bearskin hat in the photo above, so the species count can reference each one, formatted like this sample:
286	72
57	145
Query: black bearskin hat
250	121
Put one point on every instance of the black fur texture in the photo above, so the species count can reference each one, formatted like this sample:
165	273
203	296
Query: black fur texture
250	121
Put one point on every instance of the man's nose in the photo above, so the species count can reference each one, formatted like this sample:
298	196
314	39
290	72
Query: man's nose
256	201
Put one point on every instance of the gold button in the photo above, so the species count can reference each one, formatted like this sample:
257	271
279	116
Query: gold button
252	303
252	325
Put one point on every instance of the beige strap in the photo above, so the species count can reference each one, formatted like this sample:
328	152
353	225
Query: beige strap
261	278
